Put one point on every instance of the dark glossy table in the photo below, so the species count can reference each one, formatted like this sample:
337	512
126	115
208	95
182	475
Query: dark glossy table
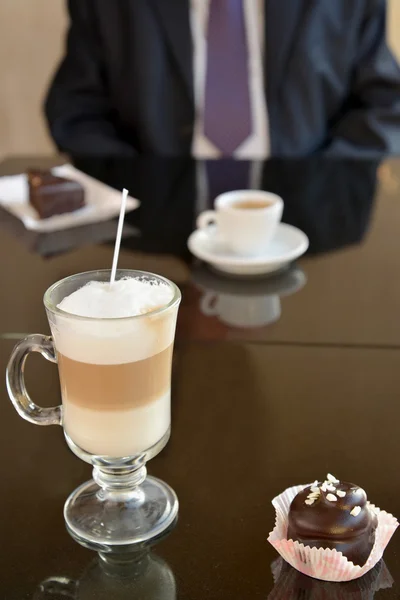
255	410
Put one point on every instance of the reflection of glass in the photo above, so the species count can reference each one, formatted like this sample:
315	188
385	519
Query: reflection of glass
57	588
293	585
115	379
246	303
145	577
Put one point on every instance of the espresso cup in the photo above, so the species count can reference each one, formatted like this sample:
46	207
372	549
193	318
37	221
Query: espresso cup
245	220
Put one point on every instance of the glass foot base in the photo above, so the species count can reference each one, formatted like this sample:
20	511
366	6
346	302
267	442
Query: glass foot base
120	521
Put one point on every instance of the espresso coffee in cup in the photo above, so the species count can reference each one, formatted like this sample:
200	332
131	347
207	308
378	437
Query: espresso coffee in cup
246	221
253	204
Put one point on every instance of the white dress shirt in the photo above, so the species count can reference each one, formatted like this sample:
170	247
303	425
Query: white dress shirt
257	145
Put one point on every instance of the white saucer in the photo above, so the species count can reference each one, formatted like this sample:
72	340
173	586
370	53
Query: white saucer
287	244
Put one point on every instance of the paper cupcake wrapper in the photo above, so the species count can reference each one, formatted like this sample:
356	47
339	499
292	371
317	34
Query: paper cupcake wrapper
324	563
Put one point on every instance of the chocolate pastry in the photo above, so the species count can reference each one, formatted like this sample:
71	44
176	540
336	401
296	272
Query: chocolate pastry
336	515
50	195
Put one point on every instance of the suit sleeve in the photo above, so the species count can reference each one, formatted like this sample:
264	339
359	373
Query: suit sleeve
77	107
370	121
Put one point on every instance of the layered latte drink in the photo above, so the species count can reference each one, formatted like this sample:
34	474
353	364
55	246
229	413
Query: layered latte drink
113	333
114	346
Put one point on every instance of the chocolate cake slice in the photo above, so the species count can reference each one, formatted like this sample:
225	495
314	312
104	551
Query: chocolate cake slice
51	195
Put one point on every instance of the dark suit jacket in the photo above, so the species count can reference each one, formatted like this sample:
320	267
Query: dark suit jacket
126	83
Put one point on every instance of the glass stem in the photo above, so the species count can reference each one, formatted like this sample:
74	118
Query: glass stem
120	483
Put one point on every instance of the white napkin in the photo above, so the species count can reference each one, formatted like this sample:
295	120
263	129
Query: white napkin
102	201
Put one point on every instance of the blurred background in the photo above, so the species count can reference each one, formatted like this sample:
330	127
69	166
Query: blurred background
31	42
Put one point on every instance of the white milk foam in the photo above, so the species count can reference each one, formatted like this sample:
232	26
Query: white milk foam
125	298
115	341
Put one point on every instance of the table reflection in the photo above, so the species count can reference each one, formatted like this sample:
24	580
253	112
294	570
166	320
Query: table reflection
330	200
60	242
245	303
145	576
292	585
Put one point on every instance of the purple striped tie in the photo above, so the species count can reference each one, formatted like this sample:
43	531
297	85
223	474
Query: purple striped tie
227	112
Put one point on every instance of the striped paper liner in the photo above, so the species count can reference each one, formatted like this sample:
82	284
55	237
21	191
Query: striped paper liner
324	563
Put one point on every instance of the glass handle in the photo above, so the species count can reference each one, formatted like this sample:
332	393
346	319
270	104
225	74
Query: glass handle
17	391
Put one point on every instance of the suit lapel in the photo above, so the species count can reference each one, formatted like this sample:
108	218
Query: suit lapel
174	19
282	20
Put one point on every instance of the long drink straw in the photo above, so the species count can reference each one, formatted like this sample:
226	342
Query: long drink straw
119	235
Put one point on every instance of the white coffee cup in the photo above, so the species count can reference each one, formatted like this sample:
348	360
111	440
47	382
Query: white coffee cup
246	220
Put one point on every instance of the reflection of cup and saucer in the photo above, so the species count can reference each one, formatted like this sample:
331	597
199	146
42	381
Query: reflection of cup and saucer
246	303
244	235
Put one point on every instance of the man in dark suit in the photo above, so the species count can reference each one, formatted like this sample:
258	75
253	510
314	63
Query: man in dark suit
212	78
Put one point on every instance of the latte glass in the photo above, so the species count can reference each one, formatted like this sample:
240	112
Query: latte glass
115	377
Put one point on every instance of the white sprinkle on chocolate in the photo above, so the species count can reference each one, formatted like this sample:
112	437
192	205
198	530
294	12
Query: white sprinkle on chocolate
309	502
315	484
341	493
332	479
315	489
331	498
356	511
358	491
313	495
330	487
323	487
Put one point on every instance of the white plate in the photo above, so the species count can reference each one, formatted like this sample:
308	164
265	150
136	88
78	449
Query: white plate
102	202
287	244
